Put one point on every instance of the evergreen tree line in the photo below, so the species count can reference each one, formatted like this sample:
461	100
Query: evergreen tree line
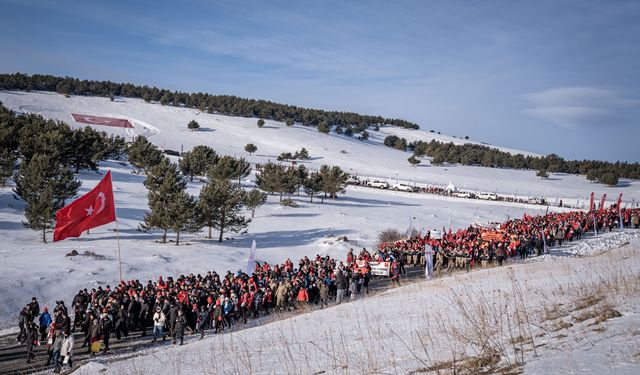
280	179
42	155
222	104
479	155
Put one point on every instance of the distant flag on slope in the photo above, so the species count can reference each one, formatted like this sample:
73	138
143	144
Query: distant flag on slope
251	261
591	203
604	198
91	210
619	202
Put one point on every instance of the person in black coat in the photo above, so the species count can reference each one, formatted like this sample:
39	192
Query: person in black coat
133	314
173	315
145	308
107	327
65	321
120	322
23	322
30	339
179	327
203	320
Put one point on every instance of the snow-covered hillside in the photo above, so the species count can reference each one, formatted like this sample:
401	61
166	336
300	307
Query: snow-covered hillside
166	127
35	269
564	316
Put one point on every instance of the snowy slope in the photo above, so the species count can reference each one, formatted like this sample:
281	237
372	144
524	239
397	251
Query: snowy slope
166	127
413	328
33	268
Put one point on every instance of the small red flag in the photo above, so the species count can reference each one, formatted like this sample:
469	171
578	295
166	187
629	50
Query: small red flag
591	205
619	202
91	210
604	198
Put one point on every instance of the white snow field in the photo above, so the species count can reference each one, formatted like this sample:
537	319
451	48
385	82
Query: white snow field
166	127
404	323
567	316
32	268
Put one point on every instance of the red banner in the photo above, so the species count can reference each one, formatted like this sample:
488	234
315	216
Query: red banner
619	203
91	210
604	198
106	121
591	204
488	236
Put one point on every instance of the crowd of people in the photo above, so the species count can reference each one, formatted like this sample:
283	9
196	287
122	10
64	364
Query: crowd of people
173	307
478	246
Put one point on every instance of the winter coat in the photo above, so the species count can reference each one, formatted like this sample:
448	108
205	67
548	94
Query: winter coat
68	343
57	343
159	319
341	280
303	296
95	330
203	317
45	320
181	323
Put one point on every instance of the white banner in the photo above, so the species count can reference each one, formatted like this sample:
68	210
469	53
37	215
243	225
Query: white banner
251	262
380	268
428	253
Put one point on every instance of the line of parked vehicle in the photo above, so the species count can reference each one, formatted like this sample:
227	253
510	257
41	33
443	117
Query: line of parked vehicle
381	184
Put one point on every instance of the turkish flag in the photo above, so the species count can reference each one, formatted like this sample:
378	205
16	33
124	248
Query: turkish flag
91	210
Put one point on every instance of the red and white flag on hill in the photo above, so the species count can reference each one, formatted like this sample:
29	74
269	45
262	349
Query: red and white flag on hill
619	202
604	198
91	210
591	204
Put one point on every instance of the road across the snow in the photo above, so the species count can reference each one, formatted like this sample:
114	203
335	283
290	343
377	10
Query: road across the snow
13	356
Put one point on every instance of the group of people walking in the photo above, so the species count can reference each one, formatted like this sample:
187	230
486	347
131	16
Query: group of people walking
197	303
54	332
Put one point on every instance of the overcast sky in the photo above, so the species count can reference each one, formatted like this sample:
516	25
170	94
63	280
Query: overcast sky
545	76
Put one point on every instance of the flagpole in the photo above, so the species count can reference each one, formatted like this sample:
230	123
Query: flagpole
118	241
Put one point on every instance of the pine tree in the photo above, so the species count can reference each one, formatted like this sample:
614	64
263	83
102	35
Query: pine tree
290	122
254	199
243	169
183	215
303	154
44	186
220	204
193	125
169	206
542	173
197	161
324	127
86	148
226	168
333	180
313	185
8	160
250	148
144	154
260	123
413	160
273	178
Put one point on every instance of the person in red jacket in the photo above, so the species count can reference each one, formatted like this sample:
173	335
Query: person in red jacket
303	296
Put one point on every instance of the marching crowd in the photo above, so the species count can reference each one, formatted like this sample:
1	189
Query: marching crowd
481	247
198	303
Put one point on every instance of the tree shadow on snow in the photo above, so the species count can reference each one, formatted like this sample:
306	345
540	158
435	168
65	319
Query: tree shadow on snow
277	238
347	201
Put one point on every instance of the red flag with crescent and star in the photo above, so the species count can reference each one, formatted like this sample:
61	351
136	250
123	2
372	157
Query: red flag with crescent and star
91	210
